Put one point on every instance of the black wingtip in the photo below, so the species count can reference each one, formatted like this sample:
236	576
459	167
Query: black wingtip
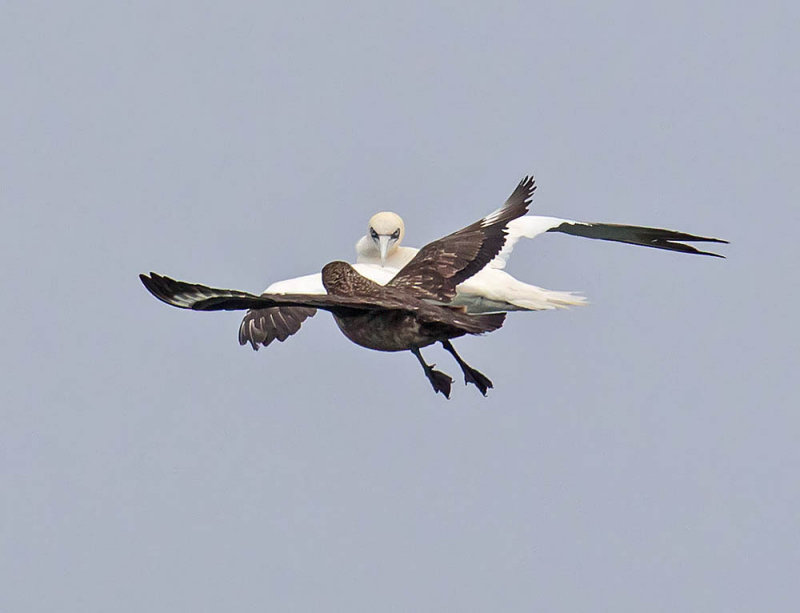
523	193
147	281
155	284
658	238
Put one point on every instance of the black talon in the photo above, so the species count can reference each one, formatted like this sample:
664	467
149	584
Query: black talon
439	380
477	378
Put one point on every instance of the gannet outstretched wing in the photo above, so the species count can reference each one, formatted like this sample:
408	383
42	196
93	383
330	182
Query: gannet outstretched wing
492	289
532	226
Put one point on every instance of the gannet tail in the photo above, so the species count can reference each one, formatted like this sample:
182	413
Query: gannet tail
534	298
493	290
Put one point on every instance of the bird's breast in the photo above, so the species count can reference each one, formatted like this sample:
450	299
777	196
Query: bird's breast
384	330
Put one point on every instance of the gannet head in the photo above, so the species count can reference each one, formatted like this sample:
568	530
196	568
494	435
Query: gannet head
386	230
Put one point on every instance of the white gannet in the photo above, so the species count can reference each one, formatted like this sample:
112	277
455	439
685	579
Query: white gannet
411	311
380	255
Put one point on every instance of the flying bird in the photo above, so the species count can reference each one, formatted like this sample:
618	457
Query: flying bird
413	310
397	298
380	256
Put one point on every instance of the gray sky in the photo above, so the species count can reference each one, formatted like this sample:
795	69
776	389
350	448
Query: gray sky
639	454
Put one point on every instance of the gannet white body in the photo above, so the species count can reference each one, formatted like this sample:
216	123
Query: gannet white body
312	284
379	257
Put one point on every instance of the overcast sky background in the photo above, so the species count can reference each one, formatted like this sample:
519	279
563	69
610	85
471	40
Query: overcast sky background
639	454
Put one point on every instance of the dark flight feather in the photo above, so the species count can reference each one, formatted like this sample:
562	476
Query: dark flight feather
350	294
638	235
198	297
262	326
449	260
440	266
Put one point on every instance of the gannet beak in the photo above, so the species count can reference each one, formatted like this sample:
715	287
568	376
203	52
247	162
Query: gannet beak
383	242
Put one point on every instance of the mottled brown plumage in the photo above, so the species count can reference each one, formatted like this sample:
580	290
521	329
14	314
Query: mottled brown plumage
405	321
262	326
371	315
433	273
408	313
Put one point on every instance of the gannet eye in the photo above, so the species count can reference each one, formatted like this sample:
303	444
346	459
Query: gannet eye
396	234
373	234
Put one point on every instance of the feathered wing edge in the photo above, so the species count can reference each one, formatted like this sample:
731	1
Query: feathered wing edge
658	238
532	226
480	324
441	265
262	326
198	297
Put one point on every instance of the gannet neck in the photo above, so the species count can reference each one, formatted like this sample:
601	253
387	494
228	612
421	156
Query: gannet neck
399	257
